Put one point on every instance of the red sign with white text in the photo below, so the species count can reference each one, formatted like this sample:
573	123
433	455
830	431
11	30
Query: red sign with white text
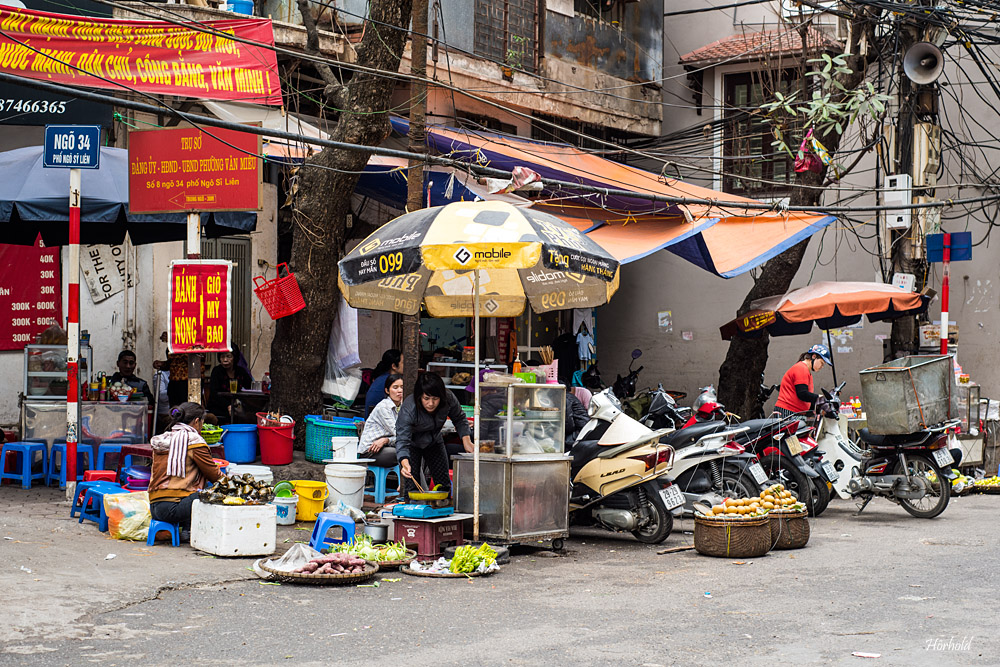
30	295
231	59
187	169
199	306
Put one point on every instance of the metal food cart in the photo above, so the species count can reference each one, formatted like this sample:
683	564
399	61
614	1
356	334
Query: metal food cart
524	471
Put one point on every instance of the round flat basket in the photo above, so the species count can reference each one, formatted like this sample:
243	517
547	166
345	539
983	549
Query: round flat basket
323	579
441	575
396	564
789	530
994	489
732	538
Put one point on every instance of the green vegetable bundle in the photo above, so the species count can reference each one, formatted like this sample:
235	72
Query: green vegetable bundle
362	546
467	559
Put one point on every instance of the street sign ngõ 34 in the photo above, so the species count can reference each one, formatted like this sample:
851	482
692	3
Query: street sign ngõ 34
72	147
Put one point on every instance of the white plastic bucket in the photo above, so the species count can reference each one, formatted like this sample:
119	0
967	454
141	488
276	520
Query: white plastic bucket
260	473
286	510
346	482
344	448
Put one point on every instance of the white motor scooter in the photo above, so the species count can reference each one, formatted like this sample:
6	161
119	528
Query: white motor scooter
699	451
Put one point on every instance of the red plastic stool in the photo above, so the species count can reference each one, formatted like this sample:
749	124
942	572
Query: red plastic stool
99	475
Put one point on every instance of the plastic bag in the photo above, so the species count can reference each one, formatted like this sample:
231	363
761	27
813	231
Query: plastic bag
128	515
297	556
342	380
343	508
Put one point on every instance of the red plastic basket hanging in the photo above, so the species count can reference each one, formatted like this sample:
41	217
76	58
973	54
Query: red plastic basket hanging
280	296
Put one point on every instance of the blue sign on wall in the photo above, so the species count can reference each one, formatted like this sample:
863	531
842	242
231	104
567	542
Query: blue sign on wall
960	246
72	146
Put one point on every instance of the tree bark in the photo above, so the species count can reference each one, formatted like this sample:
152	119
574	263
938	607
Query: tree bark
326	183
741	372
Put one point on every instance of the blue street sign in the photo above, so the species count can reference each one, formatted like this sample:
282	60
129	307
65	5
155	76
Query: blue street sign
72	146
961	247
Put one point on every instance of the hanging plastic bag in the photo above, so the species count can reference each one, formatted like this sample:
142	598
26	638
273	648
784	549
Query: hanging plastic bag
343	363
128	515
806	160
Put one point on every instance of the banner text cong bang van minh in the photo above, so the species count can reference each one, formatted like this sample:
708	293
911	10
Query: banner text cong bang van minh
155	57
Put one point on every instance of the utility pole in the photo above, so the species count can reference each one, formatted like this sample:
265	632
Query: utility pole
917	130
415	175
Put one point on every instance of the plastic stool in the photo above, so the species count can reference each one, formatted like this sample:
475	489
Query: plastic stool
156	527
82	488
99	476
96	513
324	522
27	451
381	479
60	449
108	447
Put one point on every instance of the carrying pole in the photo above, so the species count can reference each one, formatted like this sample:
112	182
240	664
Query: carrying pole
73	336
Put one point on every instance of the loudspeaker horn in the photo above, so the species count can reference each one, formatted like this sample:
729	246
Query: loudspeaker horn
923	63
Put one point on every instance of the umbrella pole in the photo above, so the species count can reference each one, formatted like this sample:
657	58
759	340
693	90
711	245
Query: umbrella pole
833	367
475	413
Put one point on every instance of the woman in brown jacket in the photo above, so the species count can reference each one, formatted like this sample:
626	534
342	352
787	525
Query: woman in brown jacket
182	462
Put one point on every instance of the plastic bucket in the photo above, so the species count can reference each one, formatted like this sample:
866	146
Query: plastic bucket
346	482
276	444
344	449
312	497
240	442
260	473
286	510
240	7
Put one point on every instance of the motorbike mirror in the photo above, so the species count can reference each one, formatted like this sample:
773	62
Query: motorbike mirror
636	353
827	395
840	387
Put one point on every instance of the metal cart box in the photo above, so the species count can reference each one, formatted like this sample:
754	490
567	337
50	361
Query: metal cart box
908	394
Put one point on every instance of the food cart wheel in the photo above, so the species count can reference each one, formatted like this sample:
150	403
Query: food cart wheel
558	544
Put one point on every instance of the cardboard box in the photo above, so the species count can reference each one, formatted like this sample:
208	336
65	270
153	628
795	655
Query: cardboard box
930	335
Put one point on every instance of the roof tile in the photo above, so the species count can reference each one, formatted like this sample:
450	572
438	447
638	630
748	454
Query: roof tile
747	46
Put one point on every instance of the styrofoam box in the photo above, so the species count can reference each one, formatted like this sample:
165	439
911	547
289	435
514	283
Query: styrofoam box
234	530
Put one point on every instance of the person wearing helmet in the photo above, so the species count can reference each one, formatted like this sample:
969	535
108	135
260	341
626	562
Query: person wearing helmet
796	391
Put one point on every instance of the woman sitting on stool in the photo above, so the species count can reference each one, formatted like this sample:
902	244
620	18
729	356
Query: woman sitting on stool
378	439
182	462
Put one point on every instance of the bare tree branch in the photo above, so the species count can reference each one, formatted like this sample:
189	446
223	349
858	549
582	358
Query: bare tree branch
312	45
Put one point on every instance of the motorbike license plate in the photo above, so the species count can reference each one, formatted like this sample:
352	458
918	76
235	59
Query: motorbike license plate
943	457
672	497
758	473
794	446
831	473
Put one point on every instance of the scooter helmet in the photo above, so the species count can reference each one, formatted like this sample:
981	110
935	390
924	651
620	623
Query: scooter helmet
823	352
707	395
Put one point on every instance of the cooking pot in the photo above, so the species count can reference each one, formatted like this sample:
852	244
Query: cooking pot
379	532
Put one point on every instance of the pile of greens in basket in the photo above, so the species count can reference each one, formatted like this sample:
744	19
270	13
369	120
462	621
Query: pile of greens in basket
467	559
362	546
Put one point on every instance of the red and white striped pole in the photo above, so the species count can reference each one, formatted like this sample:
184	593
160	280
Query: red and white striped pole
73	335
945	292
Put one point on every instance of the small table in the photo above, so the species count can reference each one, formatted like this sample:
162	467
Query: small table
430	535
255	401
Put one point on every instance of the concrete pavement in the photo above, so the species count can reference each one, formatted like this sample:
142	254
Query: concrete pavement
915	592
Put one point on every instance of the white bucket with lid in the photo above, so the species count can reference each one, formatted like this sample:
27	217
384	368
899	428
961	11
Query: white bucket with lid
286	508
346	482
260	473
344	448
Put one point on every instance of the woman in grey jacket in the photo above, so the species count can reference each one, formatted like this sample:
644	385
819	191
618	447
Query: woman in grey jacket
418	430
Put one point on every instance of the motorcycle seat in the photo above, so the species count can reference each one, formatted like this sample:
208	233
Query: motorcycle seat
686	437
756	428
584	452
894	440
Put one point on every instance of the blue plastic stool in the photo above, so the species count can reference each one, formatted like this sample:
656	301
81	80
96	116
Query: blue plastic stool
27	451
324	522
111	446
60	449
96	512
82	488
155	527
381	479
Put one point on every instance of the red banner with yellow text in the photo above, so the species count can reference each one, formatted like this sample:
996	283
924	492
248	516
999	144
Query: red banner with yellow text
155	57
199	306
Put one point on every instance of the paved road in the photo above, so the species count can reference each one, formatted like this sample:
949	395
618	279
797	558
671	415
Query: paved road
883	583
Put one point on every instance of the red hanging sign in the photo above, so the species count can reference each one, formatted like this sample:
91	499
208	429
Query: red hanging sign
200	306
30	294
155	57
186	169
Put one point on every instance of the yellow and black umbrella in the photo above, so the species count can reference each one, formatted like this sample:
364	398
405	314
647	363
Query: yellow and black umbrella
477	259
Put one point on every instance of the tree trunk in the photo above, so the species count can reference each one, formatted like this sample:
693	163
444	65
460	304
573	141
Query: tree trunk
322	202
740	373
